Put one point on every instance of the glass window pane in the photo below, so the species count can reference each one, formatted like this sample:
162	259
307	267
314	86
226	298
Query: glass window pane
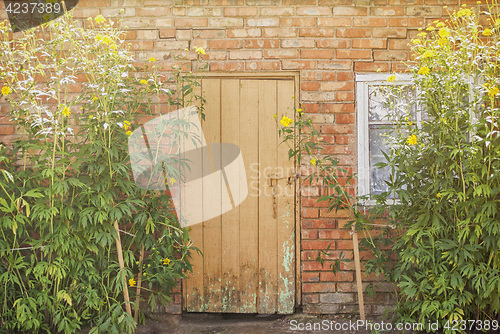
378	143
386	101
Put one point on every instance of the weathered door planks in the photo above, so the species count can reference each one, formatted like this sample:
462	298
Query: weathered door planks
249	252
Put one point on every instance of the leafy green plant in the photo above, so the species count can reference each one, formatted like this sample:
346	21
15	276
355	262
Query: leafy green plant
79	240
444	173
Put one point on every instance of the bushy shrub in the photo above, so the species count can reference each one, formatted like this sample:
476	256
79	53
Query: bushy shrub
75	98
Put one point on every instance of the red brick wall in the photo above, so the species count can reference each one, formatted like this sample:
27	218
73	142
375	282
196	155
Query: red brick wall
327	41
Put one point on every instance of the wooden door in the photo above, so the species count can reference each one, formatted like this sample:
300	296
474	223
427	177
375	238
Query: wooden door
248	262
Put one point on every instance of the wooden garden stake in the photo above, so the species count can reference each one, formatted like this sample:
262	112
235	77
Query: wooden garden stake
139	280
122	266
357	264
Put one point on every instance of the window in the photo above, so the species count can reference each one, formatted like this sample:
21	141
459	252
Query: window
373	123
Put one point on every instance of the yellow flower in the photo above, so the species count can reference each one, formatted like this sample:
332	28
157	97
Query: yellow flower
275	116
126	125
487	32
285	121
497	22
464	12
6	90
66	112
143	82
313	162
440	24
493	91
94	99
442	41
128	133
152	59
166	261
438	195
416	41
422	34
200	51
410	123
113	46
131	282
444	32
172	180
100	19
428	54
299	110
412	140
392	78
91	116
430	28
424	70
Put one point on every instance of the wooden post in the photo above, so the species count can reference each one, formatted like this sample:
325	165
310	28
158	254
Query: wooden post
122	266
139	281
359	282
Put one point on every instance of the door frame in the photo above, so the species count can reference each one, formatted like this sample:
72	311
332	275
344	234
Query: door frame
282	75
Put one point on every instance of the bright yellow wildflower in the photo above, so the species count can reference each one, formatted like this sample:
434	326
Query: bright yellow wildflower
487	32
172	180
100	19
6	90
412	140
438	195
94	99
299	110
416	41
200	51
128	133
132	282
444	32
440	24
442	41
152	59
126	125
91	116
464	12
66	112
428	54
392	78
313	162
422	34
430	28
143	82
424	70
493	91
275	116
166	261
113	46
285	121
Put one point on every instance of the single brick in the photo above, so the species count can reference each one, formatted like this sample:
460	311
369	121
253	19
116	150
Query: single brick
390	55
279	32
333	43
183	34
424	11
349	11
318	287
297	43
171	45
147	34
387	11
336	298
241	11
244	33
226	66
245	54
371	67
354	54
263	22
277	11
370	22
316	32
319	96
309	86
371	43
226	22
317	54
309	234
314	11
415	22
390	32
209	33
337	86
224	44
334	22
298	21
191	22
264	44
281	54
155	11
263	65
341	276
334	65
354	32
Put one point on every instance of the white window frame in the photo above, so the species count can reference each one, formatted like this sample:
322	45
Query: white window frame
363	81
